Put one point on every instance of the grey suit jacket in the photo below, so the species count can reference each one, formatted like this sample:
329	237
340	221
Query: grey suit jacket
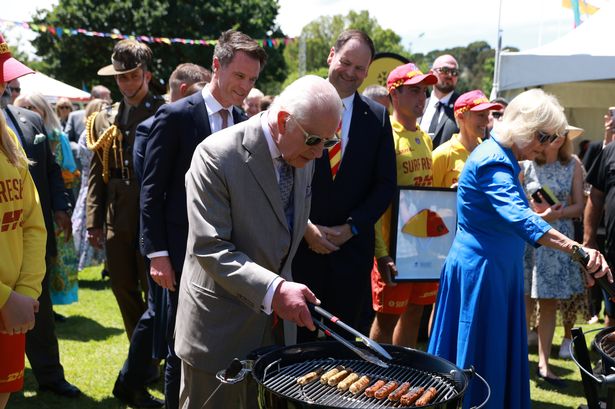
238	243
75	125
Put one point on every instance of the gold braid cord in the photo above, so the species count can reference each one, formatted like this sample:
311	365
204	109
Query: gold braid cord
107	140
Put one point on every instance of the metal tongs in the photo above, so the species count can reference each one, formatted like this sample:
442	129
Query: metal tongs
370	343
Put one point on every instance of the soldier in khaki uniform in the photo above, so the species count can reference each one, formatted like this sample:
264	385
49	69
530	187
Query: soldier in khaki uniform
113	192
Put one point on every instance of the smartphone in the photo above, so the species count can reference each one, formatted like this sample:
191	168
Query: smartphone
547	194
612	112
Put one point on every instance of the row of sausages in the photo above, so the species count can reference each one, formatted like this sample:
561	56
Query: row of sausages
345	379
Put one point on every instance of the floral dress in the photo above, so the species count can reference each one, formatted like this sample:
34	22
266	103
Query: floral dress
549	273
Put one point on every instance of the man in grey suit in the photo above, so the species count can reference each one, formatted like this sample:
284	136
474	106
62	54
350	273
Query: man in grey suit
75	124
248	195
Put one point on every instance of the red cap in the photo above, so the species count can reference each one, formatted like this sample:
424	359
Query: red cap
409	74
474	101
10	68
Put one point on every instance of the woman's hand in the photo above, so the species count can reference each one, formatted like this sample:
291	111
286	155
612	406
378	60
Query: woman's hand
598	267
547	212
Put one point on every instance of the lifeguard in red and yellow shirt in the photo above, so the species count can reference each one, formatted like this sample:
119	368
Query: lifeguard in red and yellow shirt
399	307
472	116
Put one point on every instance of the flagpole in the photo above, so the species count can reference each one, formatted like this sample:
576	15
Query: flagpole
498	49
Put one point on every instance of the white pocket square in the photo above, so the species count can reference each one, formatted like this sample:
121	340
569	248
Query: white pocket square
38	138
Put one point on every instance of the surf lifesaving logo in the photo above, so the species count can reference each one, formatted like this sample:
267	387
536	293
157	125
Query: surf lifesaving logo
425	223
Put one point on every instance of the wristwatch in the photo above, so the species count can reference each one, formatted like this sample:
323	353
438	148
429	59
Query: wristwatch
353	228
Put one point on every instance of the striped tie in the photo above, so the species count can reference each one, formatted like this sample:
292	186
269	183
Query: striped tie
335	153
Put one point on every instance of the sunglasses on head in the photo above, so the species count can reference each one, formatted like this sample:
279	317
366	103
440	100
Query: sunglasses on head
546	138
453	72
313	140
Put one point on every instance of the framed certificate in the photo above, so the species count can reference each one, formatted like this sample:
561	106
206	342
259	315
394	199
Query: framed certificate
423	224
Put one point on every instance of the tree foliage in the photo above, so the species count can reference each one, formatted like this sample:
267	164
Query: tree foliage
76	59
320	34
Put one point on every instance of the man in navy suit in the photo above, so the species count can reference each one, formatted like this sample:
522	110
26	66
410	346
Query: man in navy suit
147	339
438	120
335	258
177	130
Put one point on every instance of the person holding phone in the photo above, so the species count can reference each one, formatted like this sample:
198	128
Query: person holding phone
555	182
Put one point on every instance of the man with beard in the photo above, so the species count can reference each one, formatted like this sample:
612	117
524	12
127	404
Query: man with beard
438	119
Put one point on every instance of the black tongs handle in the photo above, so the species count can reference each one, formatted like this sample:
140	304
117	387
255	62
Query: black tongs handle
580	255
366	340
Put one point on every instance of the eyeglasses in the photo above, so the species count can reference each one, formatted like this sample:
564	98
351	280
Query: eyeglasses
313	140
546	138
453	72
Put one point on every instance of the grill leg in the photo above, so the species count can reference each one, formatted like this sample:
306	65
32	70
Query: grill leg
582	355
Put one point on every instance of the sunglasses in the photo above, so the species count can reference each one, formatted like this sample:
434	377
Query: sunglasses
64	107
313	140
15	89
453	72
496	114
28	107
546	138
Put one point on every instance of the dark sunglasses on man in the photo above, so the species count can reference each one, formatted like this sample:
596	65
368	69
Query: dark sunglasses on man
497	114
544	138
453	72
313	140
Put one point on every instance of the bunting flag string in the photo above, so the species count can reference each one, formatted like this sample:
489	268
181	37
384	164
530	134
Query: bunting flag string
61	32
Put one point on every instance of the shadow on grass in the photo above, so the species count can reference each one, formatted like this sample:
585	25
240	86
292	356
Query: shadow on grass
80	328
95	284
31	398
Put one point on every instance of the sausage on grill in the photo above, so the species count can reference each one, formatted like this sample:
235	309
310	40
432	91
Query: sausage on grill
338	377
412	395
369	392
403	388
359	385
427	397
385	390
349	380
325	378
310	376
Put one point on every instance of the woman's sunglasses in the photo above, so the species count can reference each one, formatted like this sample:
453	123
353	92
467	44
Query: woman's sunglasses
546	138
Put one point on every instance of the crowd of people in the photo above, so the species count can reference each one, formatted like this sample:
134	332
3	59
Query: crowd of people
221	213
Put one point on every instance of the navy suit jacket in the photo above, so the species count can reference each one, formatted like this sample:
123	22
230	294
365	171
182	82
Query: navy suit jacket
139	147
176	131
363	188
45	172
447	125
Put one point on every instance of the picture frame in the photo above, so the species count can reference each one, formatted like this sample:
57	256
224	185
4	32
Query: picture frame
423	225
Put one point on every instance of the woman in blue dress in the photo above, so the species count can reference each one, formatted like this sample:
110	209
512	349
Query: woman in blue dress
480	313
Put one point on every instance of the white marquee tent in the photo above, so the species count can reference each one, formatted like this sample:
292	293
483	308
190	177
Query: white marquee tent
51	88
578	68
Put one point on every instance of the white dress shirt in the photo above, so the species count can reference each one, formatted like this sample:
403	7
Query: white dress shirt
346	118
430	109
215	124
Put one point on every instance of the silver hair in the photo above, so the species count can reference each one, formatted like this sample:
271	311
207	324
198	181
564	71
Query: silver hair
307	94
375	91
530	112
50	118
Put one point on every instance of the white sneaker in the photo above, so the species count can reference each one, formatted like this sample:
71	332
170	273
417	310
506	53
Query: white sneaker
564	349
532	338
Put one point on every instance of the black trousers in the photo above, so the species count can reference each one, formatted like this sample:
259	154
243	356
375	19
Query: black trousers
42	343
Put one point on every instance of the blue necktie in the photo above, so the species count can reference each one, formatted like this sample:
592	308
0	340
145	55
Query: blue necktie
285	184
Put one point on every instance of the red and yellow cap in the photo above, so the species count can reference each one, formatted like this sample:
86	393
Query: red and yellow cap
10	68
409	74
474	101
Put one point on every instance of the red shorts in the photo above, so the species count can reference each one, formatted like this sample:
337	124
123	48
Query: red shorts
12	362
395	300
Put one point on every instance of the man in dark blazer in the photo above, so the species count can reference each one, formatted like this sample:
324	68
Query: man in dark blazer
41	342
149	337
439	119
337	254
177	130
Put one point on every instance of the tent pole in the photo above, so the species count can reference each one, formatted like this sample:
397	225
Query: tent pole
498	49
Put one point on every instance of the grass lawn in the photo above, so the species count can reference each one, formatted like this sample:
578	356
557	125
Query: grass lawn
93	347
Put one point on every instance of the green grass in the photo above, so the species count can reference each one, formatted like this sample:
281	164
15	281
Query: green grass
93	347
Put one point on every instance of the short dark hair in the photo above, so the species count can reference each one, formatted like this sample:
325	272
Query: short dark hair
266	102
127	50
232	41
189	73
500	100
354	34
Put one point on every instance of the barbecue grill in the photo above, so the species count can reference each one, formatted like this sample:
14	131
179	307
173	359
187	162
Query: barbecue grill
602	383
276	374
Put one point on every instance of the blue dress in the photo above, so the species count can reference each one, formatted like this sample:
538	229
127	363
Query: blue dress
480	313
